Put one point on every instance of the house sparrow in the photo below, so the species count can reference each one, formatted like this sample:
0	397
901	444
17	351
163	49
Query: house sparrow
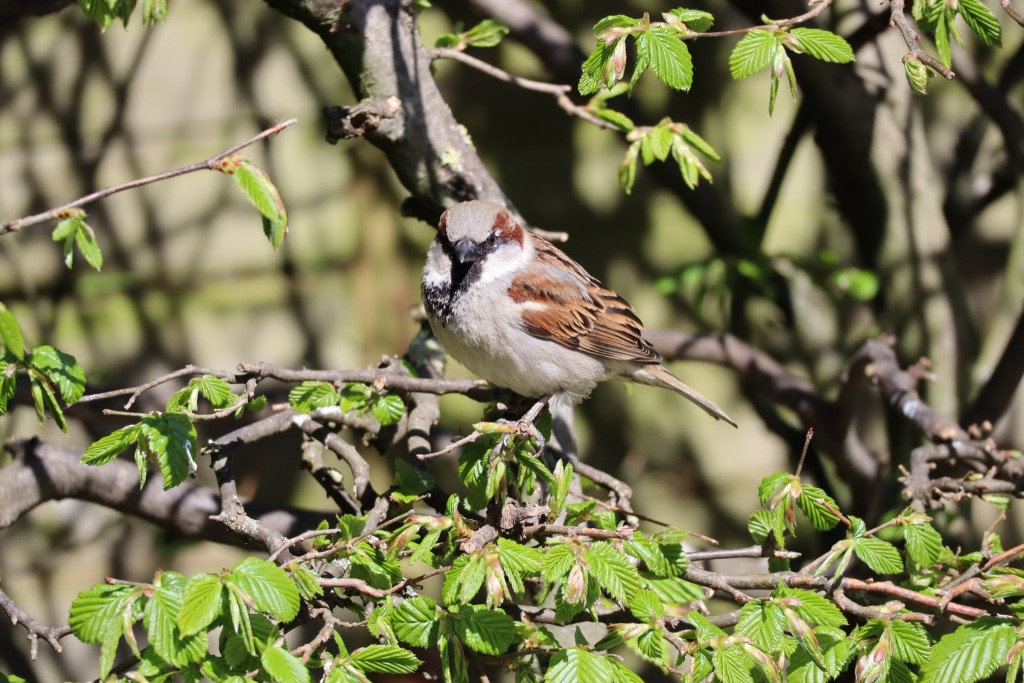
514	309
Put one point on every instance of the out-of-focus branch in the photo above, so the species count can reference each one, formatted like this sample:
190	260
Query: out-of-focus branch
210	164
41	472
995	395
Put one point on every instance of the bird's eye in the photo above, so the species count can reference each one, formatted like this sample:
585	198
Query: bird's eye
492	238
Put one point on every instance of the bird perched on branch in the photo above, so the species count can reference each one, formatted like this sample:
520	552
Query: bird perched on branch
514	309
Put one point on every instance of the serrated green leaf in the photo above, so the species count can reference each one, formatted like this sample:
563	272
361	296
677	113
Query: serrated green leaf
160	618
106	448
171	439
283	666
695	20
201	603
836	652
812	607
388	409
487	33
484	630
575	665
216	390
656	144
754	52
971	653
981	20
271	589
597	71
910	641
616	21
415	621
733	665
310	395
260	190
667	56
61	369
764	623
355	396
924	544
10	334
558	560
823	45
389	659
880	555
96	612
818	506
612	570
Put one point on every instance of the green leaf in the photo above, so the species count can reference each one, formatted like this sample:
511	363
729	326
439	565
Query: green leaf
171	439
667	56
924	544
283	666
10	334
616	118
597	71
161	615
612	570
811	606
576	665
627	169
616	21
154	11
311	395
7	385
257	186
355	396
96	612
61	369
733	665
909	641
216	390
106	448
836	650
45	400
971	653
415	621
306	580
201	603
823	45
818	506
388	659
271	589
880	555
484	630
388	409
695	20
861	284
764	623
756	51
981	20
85	240
487	33
656	144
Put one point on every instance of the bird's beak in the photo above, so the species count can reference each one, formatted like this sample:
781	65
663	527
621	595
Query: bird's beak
466	250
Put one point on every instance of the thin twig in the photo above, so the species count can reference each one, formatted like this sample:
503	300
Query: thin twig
898	18
206	165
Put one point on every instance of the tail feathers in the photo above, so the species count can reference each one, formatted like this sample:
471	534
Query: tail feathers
658	376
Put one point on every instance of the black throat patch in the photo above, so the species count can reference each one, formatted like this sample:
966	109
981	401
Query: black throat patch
440	300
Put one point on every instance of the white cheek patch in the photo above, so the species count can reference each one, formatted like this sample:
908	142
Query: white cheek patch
505	261
437	271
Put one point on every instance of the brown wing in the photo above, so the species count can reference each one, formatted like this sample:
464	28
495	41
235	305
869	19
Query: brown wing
563	303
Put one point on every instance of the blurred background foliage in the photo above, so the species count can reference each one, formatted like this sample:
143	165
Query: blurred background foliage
892	213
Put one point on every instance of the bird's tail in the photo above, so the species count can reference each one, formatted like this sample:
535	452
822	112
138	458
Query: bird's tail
658	376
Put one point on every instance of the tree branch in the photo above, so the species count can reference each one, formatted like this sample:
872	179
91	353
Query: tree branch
210	164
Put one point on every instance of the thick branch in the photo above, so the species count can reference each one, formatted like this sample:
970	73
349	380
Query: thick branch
41	472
